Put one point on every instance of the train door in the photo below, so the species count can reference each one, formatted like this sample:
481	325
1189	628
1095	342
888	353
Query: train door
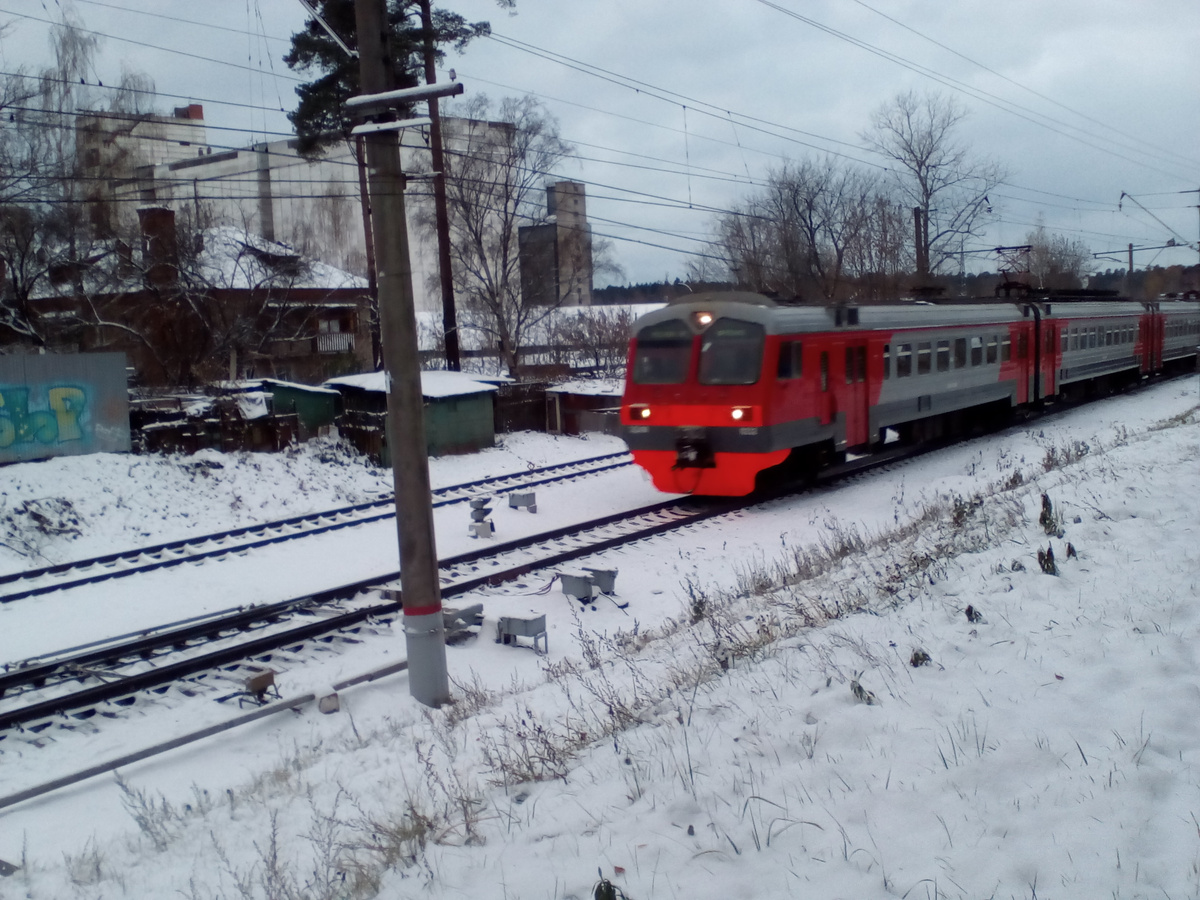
825	397
1146	340
1158	339
1050	359
857	396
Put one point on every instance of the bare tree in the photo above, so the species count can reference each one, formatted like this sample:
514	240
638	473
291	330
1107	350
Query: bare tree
1056	261
597	336
496	170
814	231
41	214
882	256
938	175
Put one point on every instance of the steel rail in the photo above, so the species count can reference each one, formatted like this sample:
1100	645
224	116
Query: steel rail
19	675
452	494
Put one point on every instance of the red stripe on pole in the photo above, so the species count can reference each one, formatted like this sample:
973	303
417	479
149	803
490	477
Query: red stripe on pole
423	610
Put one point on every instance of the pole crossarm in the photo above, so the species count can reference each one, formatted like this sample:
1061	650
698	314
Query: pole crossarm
404	96
375	127
1166	246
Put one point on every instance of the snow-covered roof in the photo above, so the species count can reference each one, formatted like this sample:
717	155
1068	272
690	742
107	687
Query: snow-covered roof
433	384
271	383
229	259
590	387
235	258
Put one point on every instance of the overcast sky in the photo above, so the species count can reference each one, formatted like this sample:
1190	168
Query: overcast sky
677	108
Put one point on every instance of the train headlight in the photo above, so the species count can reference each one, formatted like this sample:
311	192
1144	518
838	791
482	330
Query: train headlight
702	320
740	414
640	413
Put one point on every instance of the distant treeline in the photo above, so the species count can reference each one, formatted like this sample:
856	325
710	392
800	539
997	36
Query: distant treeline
1143	284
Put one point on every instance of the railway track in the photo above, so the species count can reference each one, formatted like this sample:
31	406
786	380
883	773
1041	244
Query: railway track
78	573
206	655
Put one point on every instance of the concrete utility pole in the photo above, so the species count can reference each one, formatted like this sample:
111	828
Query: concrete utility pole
449	316
423	628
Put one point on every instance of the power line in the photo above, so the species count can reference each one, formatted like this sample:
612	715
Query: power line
164	16
192	98
987	97
126	40
991	71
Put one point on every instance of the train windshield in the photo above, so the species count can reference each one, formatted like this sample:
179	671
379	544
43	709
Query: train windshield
731	353
663	353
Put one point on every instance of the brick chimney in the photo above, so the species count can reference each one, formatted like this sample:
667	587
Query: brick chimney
160	245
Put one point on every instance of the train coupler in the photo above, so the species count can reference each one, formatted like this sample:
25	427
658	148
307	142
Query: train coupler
692	451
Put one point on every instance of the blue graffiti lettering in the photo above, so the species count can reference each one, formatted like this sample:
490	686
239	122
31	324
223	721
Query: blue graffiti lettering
67	404
61	422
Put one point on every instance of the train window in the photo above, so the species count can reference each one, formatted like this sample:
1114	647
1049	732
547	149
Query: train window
861	353
976	351
824	371
1107	337
1005	348
1091	338
904	361
992	346
790	360
887	361
924	356
731	352
663	353
850	365
1074	338
960	352
943	356
1064	337
1022	345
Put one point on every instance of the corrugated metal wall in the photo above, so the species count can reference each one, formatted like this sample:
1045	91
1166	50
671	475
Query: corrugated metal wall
59	404
461	424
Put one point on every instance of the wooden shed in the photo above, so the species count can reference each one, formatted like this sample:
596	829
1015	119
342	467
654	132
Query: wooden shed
576	407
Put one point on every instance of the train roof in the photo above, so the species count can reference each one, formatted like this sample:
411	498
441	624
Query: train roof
778	316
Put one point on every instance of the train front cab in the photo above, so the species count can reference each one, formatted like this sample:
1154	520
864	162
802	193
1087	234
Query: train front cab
693	410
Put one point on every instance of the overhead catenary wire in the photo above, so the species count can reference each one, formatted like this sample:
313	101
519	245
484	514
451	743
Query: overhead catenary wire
353	195
728	116
987	97
1106	125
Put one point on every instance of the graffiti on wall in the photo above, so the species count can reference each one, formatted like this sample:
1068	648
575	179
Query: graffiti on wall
62	404
60	421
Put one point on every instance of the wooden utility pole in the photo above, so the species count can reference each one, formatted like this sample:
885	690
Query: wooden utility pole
423	628
921	233
442	216
364	199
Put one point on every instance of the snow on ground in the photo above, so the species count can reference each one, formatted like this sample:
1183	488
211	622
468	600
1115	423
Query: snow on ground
726	736
77	507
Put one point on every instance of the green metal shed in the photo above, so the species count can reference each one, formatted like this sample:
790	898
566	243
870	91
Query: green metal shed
315	407
459	411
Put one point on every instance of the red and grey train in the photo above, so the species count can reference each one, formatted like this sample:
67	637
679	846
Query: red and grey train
722	387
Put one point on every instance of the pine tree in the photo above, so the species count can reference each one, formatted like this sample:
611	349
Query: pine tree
319	118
